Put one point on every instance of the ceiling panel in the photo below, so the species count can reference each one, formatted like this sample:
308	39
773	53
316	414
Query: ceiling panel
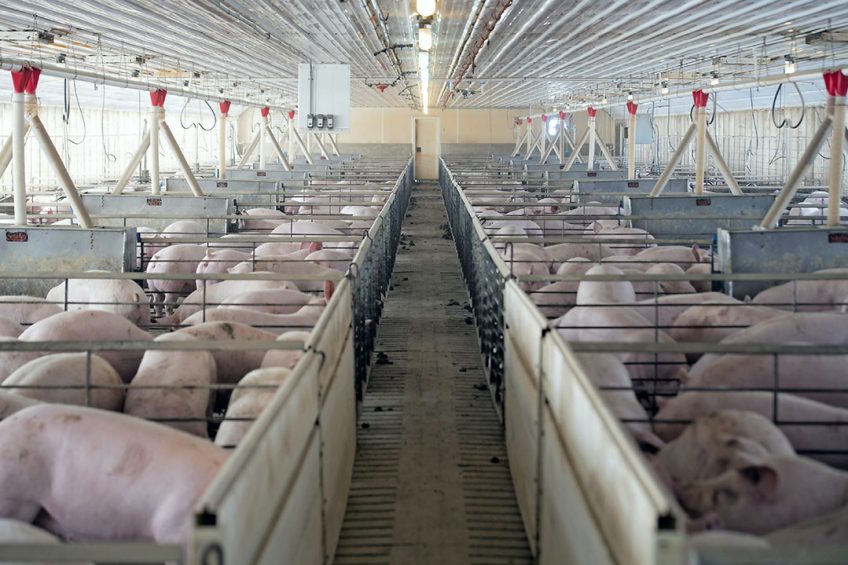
535	54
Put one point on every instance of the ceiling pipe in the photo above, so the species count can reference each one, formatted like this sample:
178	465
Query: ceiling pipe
470	25
16	64
479	42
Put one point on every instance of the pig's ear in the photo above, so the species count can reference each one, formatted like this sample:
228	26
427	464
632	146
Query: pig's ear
329	288
762	477
696	251
315	246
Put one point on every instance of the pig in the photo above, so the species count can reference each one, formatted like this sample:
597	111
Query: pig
11	403
174	259
594	212
664	310
523	262
593	251
671	286
305	318
183	229
253	393
97	475
605	292
120	296
821	429
578	266
719	441
145	249
27	310
82	325
218	261
826	530
807	295
768	494
314	229
711	323
230	365
795	371
611	377
185	407
700	269
69	370
554	299
286	358
261	219
277	301
213	294
529	227
305	276
621	240
623	324
330	258
277	248
9	327
722	539
682	256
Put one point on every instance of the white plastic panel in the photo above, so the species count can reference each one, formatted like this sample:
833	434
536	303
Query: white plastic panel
323	89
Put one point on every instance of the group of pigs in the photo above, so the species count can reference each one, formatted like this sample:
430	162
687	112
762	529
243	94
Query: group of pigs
704	421
115	444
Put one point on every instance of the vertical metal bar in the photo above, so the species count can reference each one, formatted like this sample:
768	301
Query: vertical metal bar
156	114
834	183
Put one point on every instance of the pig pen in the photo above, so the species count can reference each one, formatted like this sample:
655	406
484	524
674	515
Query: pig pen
566	447
253	511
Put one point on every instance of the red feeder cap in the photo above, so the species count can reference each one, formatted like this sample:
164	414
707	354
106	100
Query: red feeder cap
544	118
700	98
32	83
264	111
157	97
631	107
529	120
591	111
224	106
520	121
836	83
291	114
20	79
561	115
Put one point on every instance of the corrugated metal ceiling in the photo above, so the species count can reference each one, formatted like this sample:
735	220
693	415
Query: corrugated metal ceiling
538	53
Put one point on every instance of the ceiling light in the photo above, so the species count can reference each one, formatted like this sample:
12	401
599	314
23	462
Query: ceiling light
788	64
714	79
604	101
425	8
630	96
425	38
664	88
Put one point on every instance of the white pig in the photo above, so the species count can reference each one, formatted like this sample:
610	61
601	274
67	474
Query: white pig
253	393
184	400
27	310
9	327
98	475
174	259
71	370
120	296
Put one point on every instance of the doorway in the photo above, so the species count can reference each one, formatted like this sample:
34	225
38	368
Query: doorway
426	146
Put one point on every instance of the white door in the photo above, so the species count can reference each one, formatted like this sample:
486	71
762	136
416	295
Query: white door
425	144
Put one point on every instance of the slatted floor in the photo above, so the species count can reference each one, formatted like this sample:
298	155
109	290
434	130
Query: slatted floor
431	481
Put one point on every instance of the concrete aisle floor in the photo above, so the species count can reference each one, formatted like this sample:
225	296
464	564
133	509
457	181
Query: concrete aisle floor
431	481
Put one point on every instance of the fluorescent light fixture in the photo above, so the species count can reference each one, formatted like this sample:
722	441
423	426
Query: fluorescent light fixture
425	8
425	38
630	96
788	64
714	80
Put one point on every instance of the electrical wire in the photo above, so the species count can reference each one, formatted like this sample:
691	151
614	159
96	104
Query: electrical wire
198	124
783	122
66	116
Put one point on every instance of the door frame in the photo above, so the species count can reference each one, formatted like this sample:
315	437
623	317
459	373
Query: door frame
438	141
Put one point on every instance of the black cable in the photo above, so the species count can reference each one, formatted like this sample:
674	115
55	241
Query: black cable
198	124
783	122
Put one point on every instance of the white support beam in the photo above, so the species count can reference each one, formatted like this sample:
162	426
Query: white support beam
317	137
136	159
249	151
784	197
65	180
631	141
224	107
18	156
189	175
700	148
156	114
300	143
6	150
834	185
334	144
722	166
672	162
603	147
279	150
593	140
576	153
